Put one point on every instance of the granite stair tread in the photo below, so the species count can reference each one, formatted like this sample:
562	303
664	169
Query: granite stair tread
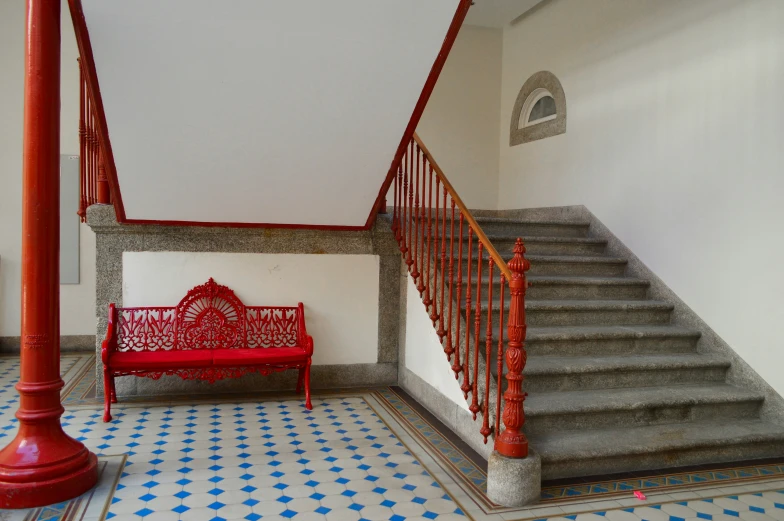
570	259
541	238
549	365
608	332
602	400
585	280
507	220
591	444
590	305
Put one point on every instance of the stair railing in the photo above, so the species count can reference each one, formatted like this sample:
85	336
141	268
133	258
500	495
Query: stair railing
427	211
94	185
98	174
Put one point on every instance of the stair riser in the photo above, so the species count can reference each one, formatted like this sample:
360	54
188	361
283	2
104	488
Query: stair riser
573	318
596	317
545	291
542	424
623	379
586	292
612	347
505	248
515	230
659	460
550	318
572	269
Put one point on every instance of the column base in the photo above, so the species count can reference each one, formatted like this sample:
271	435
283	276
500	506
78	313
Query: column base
52	486
514	482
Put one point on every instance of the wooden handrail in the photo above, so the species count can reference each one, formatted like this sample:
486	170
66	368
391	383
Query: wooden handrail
499	261
430	221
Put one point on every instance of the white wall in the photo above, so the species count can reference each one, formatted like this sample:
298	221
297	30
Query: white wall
272	112
340	292
460	125
77	316
423	352
674	140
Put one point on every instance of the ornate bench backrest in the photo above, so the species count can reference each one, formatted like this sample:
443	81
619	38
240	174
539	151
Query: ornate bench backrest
210	316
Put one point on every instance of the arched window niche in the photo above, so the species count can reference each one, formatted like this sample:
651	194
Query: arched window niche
539	110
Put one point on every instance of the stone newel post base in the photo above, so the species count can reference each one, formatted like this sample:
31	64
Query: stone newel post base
514	482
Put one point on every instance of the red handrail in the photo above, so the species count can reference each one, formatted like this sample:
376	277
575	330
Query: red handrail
98	172
418	210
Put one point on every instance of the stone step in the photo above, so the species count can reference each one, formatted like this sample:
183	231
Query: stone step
610	340
633	407
604	451
560	313
510	227
561	265
559	287
540	245
555	373
606	340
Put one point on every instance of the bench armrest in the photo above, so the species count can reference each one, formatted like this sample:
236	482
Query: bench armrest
109	343
305	340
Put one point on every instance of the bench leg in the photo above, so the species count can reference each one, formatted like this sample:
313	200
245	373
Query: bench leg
308	405
300	378
114	391
107	395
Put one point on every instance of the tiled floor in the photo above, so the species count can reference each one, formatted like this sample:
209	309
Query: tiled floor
357	455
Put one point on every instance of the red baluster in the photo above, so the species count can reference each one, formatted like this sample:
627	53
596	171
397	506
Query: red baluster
456	367
395	228
485	430
500	357
90	156
512	442
449	344
103	183
466	374
404	220
474	407
428	301
415	273
422	222
82	145
409	257
94	172
441	332
434	308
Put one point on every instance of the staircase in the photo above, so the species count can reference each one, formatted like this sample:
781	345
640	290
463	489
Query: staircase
613	385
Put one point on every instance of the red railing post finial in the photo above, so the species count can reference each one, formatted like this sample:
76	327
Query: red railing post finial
512	442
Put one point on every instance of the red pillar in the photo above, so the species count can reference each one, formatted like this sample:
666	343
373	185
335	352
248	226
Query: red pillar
42	465
512	442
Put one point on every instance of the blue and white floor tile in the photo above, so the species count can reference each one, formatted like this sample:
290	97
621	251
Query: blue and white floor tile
352	458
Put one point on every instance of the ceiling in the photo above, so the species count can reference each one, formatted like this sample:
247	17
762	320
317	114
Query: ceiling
497	13
260	112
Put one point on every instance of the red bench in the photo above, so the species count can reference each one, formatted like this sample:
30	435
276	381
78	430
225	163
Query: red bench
210	335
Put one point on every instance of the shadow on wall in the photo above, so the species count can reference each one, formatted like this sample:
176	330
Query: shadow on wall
640	32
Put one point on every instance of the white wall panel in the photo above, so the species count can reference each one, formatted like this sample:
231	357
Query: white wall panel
340	292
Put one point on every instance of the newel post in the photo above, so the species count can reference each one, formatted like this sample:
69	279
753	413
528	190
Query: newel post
512	443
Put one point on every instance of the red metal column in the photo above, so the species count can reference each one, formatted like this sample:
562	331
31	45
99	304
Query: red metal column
42	465
512	442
